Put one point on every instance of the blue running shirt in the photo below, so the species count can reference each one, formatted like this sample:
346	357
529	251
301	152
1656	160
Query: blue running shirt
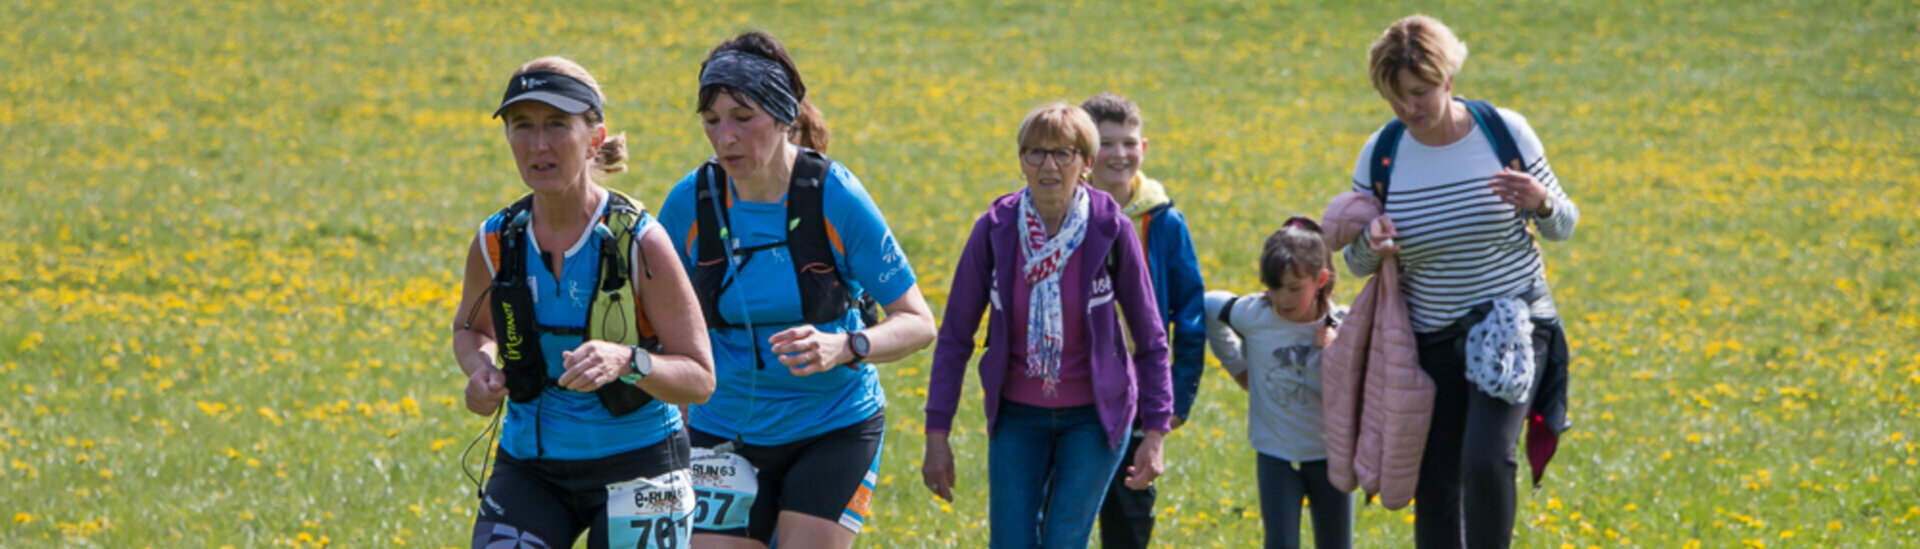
769	405
562	423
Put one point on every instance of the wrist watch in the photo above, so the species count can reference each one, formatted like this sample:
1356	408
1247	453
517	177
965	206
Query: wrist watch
641	365
858	344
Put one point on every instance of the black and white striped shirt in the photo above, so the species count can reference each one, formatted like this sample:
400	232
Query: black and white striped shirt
1459	244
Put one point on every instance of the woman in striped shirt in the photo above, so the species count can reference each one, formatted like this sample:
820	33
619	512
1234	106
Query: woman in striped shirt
1457	217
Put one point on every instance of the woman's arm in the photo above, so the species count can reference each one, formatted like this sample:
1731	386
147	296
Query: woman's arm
967	300
473	343
681	375
1155	375
907	328
1134	292
1537	189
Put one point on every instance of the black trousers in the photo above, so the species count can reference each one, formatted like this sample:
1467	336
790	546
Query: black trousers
1282	484
543	503
1466	494
1126	517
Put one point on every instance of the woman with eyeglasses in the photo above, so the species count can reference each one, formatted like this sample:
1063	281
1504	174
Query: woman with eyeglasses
1466	191
1052	265
789	254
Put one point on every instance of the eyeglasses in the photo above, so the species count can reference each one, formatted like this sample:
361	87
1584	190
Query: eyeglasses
1038	157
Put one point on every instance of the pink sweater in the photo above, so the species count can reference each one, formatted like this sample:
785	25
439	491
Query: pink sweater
1076	374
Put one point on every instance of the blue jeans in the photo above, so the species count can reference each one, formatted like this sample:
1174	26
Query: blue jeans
1047	470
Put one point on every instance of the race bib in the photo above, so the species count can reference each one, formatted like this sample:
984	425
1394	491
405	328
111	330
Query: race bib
726	485
651	513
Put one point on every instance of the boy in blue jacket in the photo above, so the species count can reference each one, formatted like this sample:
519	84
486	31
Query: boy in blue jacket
1126	518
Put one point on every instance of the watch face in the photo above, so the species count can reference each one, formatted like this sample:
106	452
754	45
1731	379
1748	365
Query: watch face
642	363
858	341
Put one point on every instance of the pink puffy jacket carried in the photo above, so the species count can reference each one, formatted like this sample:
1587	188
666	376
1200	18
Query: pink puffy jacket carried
1376	401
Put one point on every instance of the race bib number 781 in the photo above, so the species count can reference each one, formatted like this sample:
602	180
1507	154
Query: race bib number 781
651	513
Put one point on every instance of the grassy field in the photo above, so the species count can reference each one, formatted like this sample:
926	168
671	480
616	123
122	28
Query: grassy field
232	234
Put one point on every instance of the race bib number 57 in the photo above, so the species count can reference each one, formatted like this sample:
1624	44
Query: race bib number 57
726	485
651	513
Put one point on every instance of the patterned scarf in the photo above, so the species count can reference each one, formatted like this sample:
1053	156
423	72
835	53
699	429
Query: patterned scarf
1046	259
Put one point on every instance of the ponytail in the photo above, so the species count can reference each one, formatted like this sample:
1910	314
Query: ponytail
611	159
810	128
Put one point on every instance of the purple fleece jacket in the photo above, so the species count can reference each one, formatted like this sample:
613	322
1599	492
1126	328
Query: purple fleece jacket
1123	385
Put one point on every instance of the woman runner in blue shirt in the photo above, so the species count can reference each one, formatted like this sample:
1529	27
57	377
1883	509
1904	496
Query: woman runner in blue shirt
570	460
782	244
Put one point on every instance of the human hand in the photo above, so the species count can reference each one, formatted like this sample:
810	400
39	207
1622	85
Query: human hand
1147	462
936	466
1380	235
1178	421
1323	338
485	389
805	350
593	364
1519	189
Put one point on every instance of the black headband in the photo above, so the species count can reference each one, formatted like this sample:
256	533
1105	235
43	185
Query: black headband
563	92
760	78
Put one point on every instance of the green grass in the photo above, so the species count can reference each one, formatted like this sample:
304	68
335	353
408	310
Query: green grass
233	233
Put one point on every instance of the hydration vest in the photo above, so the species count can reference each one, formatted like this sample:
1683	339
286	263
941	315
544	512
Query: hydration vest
1491	125
610	317
811	242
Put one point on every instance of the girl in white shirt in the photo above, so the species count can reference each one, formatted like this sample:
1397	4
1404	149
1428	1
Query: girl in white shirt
1271	341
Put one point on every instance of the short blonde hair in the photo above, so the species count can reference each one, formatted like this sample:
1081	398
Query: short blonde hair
612	156
1419	44
1060	120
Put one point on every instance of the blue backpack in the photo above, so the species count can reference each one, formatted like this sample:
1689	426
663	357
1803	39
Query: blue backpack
1484	115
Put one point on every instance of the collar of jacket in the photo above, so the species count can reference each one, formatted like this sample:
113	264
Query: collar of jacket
1148	195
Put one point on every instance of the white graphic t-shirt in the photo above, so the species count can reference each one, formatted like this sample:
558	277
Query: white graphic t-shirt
1283	373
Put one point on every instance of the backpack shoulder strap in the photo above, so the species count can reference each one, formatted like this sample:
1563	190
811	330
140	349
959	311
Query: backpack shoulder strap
1226	315
1495	128
804	200
710	275
1226	311
816	246
513	225
1381	164
710	205
622	218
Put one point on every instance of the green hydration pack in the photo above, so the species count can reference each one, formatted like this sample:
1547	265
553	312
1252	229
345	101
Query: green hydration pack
811	242
615	316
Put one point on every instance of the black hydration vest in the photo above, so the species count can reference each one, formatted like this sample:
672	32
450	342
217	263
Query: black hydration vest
615	315
824	297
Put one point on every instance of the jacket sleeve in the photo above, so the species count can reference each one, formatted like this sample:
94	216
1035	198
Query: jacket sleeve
1134	290
1186	309
966	302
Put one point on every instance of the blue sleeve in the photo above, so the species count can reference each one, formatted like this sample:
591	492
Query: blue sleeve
677	217
1186	308
872	257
